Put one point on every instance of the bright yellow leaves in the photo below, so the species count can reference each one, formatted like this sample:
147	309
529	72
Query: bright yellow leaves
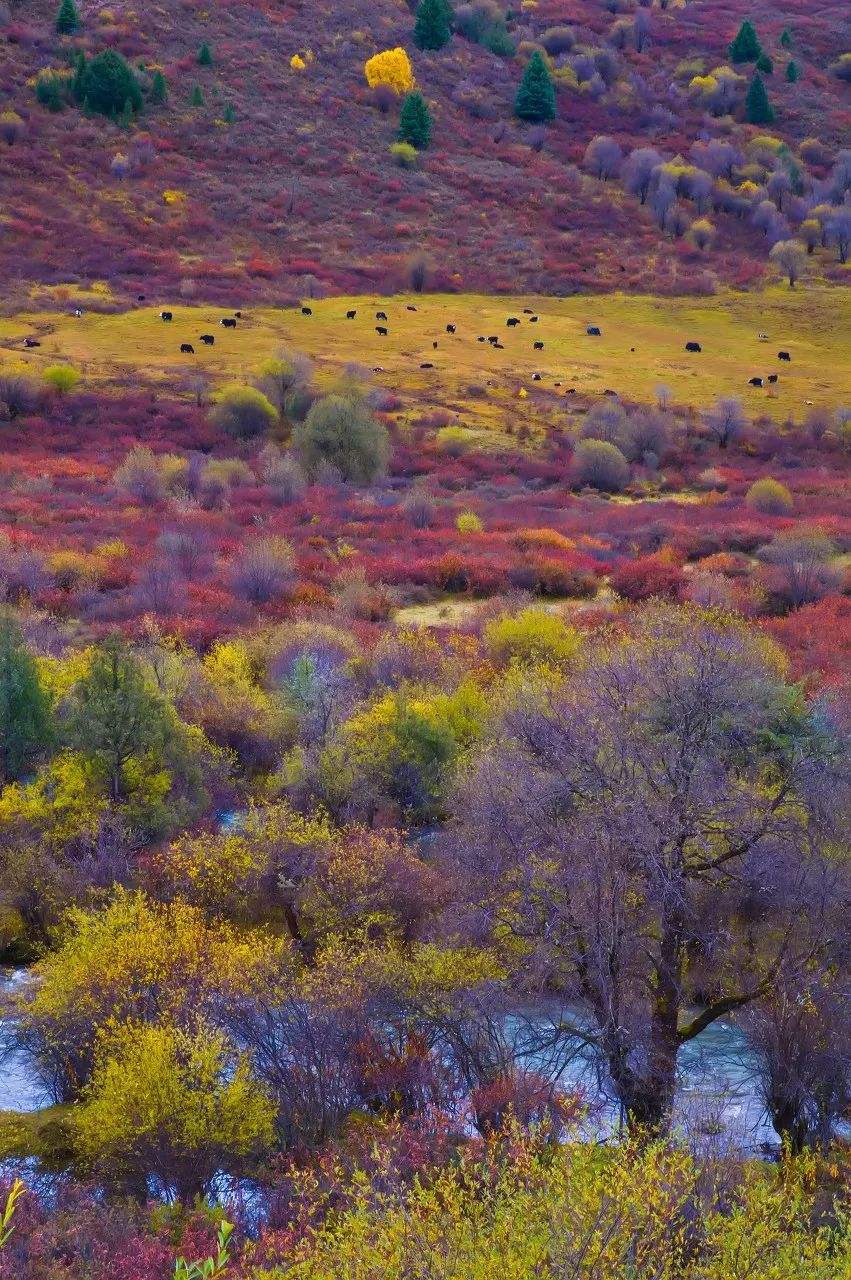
391	67
181	1103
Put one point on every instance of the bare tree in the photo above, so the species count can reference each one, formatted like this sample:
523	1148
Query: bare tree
726	421
791	257
651	844
839	232
603	158
638	171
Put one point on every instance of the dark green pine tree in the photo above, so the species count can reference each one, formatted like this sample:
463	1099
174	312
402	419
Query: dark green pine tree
197	96
536	99
67	19
205	57
415	121
108	84
229	115
746	46
159	90
26	723
765	65
758	110
786	38
432	29
78	84
792	72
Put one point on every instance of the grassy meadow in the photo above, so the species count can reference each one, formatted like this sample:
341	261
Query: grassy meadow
642	345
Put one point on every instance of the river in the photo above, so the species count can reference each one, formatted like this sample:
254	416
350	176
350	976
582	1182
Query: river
717	1100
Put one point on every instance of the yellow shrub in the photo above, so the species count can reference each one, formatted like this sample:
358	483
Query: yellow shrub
404	154
297	63
391	67
468	522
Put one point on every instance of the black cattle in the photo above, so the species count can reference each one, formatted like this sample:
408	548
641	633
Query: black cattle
571	391
754	382
380	329
556	384
350	315
481	339
380	315
533	319
207	339
140	297
593	331
77	312
450	328
229	324
426	366
434	346
238	315
538	346
306	311
166	315
772	377
31	342
410	308
609	393
511	322
783	355
377	369
536	377
187	349
499	346
527	311
493	341
693	346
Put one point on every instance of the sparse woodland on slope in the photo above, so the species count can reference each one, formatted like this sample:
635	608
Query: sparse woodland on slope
265	166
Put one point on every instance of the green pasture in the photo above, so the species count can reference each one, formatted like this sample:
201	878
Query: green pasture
642	346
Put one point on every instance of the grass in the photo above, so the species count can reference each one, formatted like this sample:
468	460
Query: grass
813	324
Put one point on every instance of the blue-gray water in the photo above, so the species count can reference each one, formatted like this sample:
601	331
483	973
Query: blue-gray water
717	1099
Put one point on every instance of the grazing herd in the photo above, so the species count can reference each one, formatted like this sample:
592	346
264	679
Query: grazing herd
383	331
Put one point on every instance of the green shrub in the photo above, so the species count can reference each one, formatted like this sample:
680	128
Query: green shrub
341	432
243	412
51	91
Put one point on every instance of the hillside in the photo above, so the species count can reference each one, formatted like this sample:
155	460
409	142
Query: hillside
279	182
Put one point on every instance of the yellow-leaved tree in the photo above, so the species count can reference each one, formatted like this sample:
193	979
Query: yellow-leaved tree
171	1107
391	67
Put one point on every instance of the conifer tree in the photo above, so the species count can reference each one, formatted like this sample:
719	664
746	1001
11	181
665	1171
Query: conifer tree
792	72
765	65
758	110
415	121
25	714
229	116
197	96
159	91
205	57
786	38
746	46
67	19
107	84
536	98
79	80
432	29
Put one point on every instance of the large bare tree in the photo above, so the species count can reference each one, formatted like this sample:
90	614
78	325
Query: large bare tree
651	835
